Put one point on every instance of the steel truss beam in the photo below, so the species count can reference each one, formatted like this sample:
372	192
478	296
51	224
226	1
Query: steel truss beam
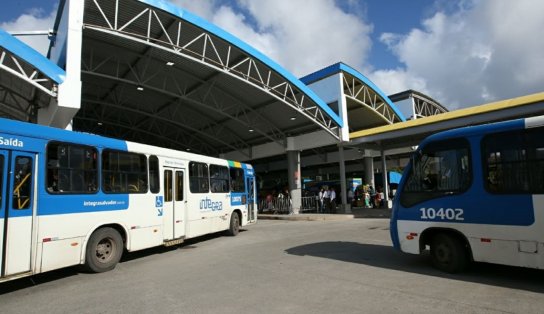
425	107
26	72
361	93
21	105
422	105
150	26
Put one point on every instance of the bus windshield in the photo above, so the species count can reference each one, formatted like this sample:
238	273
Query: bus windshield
437	169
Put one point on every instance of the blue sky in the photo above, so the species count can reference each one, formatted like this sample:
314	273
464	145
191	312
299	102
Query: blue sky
11	10
461	53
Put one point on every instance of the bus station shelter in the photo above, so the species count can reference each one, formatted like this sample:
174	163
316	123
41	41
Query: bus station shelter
150	72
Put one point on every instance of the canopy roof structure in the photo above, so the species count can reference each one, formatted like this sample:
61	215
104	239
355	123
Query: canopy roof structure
28	80
410	133
367	106
154	73
423	105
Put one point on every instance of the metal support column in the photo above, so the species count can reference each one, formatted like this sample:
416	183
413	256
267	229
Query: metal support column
343	190
369	171
295	181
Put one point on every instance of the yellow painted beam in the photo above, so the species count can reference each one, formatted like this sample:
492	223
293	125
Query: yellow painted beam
476	110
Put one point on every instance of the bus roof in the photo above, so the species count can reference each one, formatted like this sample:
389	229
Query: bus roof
50	133
478	129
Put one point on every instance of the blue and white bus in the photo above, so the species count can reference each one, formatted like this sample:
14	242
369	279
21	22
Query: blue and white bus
475	194
70	198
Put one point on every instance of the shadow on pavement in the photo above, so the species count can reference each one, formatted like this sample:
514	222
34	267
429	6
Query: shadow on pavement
40	279
387	257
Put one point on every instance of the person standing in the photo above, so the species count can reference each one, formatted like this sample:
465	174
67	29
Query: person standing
320	199
288	202
333	201
326	200
350	196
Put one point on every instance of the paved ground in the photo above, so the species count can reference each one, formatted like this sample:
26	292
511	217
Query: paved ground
280	266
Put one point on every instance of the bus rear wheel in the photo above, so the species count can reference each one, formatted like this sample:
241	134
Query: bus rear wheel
448	253
234	228
104	250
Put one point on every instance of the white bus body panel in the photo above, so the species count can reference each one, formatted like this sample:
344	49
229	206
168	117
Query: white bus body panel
508	245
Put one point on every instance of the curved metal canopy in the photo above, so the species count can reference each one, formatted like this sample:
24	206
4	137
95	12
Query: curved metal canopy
28	80
366	104
423	105
154	73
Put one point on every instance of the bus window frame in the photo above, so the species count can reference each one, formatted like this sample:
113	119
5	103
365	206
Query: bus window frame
103	177
526	142
213	179
97	171
198	189
150	159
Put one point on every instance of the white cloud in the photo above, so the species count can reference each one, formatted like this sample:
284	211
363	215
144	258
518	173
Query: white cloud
34	20
300	37
398	80
485	51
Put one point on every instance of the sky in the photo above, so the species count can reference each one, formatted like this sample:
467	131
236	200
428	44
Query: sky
461	53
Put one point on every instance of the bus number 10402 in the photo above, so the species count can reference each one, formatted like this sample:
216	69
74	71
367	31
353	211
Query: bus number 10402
442	213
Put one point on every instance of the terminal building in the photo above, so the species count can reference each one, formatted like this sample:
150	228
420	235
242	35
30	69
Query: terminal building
150	72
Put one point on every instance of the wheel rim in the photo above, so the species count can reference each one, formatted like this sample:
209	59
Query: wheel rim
105	250
443	253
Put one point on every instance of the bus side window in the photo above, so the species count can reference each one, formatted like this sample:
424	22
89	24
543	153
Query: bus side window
124	172
219	179
513	161
199	178
71	168
154	178
237	180
22	183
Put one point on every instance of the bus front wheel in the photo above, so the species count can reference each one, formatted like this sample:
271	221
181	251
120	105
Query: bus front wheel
448	253
104	250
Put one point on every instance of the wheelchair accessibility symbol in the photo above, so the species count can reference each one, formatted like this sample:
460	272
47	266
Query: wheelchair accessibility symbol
159	201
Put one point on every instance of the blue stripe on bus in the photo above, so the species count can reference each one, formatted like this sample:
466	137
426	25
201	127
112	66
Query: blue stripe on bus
508	210
30	137
70	204
33	138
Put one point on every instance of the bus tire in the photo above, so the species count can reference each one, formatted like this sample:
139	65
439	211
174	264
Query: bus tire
448	253
103	251
234	227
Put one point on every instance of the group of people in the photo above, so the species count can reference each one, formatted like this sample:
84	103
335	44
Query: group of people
327	200
279	202
367	196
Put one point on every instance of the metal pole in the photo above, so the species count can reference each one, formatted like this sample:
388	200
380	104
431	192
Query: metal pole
385	179
343	192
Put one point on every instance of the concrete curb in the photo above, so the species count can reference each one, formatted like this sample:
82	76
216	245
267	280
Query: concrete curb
307	217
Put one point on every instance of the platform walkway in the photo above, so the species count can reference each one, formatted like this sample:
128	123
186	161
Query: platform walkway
356	212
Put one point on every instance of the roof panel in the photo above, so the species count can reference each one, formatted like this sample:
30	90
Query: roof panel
187	16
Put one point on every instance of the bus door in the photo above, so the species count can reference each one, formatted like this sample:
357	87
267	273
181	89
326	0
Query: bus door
17	176
175	213
250	184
